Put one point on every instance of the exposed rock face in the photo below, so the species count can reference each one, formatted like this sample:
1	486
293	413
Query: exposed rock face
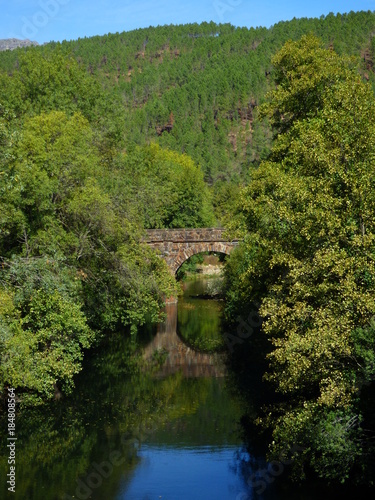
14	43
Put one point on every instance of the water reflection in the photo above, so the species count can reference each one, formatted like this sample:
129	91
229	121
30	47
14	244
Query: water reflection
179	355
126	433
192	454
199	319
129	433
184	475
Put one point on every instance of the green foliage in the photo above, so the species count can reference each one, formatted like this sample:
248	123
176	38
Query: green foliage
189	266
43	329
161	188
71	254
302	81
363	340
337	441
308	252
43	83
192	88
49	160
43	350
225	196
102	137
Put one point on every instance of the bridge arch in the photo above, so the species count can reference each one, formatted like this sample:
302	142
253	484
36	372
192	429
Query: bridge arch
178	245
196	249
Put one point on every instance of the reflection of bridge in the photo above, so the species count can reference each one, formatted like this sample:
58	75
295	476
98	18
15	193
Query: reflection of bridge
180	356
177	245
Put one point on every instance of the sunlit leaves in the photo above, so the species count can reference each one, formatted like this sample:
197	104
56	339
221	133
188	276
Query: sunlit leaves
162	188
307	214
43	83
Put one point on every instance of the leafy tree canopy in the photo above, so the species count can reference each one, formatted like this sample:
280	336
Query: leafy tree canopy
307	217
162	187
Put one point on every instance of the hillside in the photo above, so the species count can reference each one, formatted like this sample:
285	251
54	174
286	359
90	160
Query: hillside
195	88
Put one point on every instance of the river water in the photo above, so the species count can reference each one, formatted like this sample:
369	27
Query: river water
172	430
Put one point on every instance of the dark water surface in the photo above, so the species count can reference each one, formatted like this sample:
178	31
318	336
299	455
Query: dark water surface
172	432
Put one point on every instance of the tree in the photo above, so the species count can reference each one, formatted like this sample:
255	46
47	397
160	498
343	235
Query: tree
44	83
43	330
308	220
163	188
72	263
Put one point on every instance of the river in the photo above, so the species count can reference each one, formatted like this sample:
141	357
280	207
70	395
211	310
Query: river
172	430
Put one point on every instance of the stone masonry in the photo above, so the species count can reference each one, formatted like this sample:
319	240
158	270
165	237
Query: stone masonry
177	245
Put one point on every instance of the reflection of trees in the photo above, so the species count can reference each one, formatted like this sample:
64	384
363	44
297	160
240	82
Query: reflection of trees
116	406
199	323
178	352
58	442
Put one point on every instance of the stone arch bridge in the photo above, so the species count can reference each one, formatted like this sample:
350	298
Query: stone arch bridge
177	245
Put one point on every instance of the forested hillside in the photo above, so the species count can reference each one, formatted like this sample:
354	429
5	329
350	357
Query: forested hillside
195	88
103	137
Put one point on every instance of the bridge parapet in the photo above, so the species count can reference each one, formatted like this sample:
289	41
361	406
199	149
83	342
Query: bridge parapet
185	235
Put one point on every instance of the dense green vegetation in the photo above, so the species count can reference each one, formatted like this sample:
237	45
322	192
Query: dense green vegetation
71	229
167	127
307	217
192	88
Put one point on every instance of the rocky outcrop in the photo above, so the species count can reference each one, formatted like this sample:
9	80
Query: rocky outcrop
14	43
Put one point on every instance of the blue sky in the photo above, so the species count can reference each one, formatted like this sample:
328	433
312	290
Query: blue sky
46	20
